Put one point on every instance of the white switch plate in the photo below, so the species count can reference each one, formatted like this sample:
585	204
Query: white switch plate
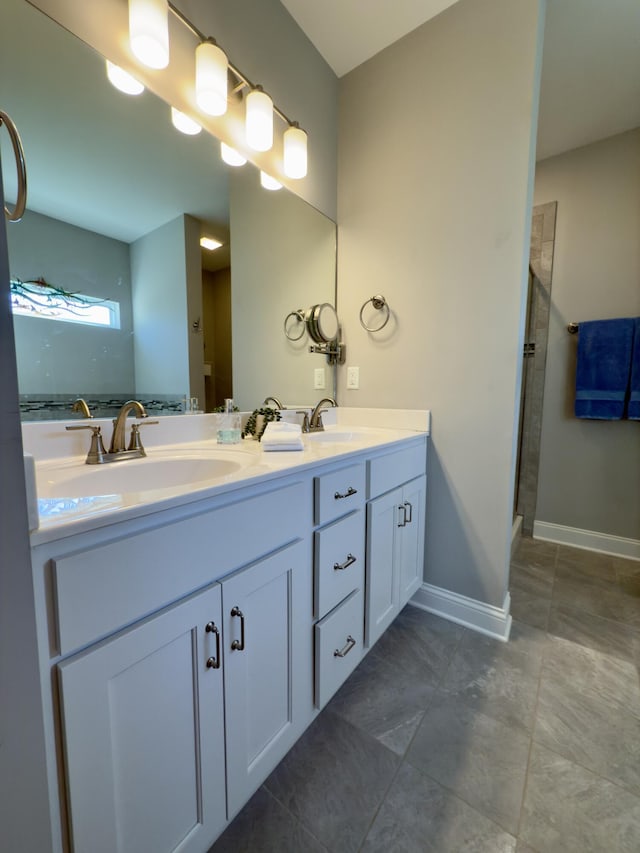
318	379
353	378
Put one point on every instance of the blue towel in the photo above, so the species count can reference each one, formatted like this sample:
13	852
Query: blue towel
604	367
634	396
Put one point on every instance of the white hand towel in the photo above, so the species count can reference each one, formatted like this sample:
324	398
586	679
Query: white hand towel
279	435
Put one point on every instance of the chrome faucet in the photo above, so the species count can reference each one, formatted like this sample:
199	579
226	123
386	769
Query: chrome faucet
119	425
275	400
315	419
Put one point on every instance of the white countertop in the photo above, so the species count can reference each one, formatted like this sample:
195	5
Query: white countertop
57	451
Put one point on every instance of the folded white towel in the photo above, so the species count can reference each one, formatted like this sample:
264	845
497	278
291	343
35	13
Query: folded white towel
282	436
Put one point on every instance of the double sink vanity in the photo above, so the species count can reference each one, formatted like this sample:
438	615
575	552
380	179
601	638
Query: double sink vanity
198	607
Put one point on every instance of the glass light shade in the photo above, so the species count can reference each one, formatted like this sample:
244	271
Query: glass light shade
123	81
295	152
183	123
210	243
268	182
259	120
230	156
211	78
149	31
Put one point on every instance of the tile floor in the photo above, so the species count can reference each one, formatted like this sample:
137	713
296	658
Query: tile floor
446	740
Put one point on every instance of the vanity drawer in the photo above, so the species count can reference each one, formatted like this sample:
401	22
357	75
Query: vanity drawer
395	468
104	588
339	492
338	646
338	561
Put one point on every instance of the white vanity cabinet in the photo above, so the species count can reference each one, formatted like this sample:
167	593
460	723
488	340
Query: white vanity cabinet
143	722
395	536
267	666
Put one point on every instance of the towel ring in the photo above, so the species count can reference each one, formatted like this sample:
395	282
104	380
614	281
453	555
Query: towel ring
299	318
380	304
21	202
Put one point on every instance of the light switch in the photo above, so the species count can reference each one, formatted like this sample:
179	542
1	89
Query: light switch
353	378
318	379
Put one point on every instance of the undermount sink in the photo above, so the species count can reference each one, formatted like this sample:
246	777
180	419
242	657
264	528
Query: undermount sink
136	475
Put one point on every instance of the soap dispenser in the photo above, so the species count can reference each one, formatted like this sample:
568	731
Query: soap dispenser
228	427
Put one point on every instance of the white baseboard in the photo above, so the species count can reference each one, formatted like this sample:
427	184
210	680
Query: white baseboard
485	618
588	539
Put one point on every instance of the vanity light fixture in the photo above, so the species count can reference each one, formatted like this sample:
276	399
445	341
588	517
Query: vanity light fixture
259	120
211	78
230	156
295	151
184	123
269	183
122	80
149	39
149	31
209	243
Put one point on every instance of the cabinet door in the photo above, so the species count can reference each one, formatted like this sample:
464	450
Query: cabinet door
143	735
268	665
381	599
411	539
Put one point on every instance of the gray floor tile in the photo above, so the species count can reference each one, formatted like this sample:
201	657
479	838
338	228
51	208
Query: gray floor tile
419	816
522	847
530	609
589	711
495	678
333	781
601	595
587	561
568	809
480	759
596	632
535	580
534	552
389	692
527	639
264	826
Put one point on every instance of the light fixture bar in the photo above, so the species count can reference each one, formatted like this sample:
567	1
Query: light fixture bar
243	81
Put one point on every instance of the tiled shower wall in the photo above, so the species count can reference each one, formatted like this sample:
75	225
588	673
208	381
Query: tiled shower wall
543	228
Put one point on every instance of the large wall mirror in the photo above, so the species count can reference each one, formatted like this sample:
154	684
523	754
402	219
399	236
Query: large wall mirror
118	200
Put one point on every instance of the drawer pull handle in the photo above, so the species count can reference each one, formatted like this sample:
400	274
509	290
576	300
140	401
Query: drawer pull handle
340	567
341	653
402	522
212	628
410	516
238	645
350	491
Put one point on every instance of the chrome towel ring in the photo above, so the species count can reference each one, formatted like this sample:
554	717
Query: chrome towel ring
297	318
380	304
21	202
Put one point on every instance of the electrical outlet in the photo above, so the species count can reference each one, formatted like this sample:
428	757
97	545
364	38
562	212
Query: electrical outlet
318	379
353	378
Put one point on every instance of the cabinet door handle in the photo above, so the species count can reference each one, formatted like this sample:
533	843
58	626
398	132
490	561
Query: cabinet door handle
410	516
402	522
238	645
340	653
350	491
339	567
214	662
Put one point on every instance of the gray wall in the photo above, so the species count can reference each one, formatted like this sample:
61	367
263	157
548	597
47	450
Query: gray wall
435	189
588	477
67	358
283	257
164	278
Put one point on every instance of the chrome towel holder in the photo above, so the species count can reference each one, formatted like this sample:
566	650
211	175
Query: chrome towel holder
380	304
17	213
572	328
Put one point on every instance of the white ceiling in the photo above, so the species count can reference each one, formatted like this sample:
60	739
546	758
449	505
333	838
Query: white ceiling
591	62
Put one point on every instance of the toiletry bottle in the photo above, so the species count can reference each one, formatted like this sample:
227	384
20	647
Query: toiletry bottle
229	431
